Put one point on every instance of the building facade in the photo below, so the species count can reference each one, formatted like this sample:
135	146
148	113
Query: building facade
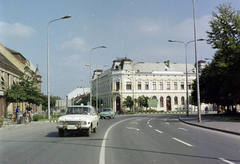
165	82
13	65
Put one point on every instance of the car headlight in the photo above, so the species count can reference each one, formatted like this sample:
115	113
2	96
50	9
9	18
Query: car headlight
84	123
60	122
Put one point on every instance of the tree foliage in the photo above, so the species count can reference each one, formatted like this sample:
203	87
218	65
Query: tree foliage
218	79
25	91
143	101
128	102
45	102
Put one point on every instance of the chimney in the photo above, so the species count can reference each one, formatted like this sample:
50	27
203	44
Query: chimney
167	63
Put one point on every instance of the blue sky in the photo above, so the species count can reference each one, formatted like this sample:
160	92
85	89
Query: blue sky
138	29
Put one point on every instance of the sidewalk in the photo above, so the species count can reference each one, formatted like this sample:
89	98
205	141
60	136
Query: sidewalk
227	127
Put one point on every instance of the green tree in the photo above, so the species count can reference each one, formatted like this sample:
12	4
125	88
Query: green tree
128	102
45	102
143	101
25	91
217	80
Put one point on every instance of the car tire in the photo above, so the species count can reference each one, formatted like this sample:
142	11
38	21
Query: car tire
89	131
95	129
100	117
60	133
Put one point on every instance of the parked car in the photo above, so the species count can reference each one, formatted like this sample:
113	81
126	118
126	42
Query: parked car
78	119
108	112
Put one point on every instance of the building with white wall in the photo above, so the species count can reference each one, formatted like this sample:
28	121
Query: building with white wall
77	92
164	81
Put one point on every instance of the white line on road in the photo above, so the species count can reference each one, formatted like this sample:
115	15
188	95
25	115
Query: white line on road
132	128
183	129
150	126
102	151
158	131
224	160
182	142
167	123
134	122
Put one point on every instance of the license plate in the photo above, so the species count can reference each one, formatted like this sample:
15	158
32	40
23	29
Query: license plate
71	127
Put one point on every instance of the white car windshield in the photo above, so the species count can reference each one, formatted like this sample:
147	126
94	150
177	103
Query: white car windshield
78	110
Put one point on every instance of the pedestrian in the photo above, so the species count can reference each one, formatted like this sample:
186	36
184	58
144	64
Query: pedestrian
28	112
17	111
206	110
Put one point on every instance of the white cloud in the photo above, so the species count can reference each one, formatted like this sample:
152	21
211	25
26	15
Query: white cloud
15	30
184	30
76	44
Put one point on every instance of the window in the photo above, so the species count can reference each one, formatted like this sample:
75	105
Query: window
175	86
154	85
182	85
139	85
189	86
161	85
161	101
182	101
146	86
128	85
168	86
117	86
175	100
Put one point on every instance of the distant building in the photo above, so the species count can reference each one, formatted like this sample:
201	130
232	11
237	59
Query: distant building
75	96
165	82
77	92
13	65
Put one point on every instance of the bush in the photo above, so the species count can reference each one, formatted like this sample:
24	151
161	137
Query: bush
37	117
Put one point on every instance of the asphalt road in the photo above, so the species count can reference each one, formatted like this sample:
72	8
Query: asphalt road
125	139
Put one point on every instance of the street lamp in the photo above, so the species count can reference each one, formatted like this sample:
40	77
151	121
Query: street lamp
91	71
196	60
186	67
48	78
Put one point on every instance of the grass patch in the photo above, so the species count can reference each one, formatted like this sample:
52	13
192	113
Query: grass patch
224	118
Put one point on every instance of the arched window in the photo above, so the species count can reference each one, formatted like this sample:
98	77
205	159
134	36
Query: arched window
161	101
182	100
175	100
154	97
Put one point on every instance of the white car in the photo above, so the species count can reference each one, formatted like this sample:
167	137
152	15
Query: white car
77	119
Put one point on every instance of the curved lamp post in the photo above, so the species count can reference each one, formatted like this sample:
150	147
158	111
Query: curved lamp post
48	78
91	71
185	44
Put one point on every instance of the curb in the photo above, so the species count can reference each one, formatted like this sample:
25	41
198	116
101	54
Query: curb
211	128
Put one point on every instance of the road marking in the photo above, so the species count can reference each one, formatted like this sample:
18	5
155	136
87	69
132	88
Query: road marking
167	123
182	142
158	131
132	128
150	126
224	160
134	122
102	150
183	129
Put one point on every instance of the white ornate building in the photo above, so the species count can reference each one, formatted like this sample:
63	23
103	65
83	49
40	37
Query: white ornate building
164	81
